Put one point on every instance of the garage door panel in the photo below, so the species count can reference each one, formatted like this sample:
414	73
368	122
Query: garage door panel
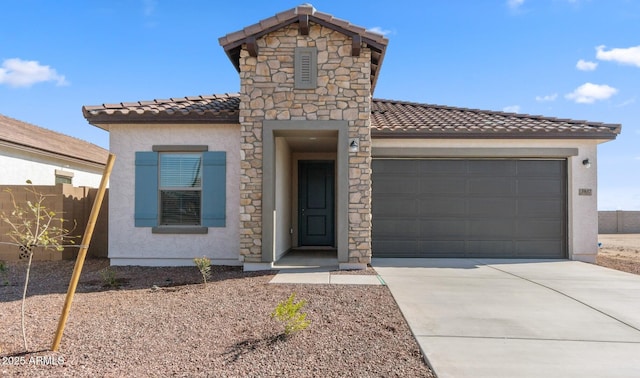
490	248
473	208
443	248
397	228
542	229
542	187
439	207
492	167
491	186
447	167
437	228
397	185
533	208
539	249
492	207
491	229
442	185
399	206
537	168
396	167
396	248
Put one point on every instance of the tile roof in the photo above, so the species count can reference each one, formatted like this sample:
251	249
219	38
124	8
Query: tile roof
395	119
209	109
25	135
232	42
389	118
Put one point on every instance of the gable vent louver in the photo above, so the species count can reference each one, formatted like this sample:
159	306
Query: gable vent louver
306	67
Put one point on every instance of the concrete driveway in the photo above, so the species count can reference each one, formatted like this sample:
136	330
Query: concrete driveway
519	318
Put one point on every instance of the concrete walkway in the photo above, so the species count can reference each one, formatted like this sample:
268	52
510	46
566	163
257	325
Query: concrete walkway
325	276
519	318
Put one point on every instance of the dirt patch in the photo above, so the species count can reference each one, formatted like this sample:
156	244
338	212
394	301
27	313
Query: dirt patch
619	251
164	322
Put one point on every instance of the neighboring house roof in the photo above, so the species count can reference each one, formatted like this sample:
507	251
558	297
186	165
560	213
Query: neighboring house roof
389	118
33	138
303	14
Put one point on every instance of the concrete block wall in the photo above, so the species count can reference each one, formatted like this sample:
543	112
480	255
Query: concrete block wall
619	222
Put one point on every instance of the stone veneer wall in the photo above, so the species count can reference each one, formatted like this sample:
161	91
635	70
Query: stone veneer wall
267	93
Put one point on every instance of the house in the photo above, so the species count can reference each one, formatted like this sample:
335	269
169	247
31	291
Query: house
304	157
65	169
29	152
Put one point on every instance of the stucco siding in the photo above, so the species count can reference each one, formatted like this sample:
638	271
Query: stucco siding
20	166
582	222
138	245
283	198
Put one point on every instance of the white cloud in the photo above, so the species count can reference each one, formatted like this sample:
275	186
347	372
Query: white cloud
551	97
511	109
629	55
589	93
379	30
16	72
584	65
514	4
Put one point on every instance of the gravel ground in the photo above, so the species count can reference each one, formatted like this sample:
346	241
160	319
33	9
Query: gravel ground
184	329
620	251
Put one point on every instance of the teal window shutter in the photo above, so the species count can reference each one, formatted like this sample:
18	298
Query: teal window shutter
214	188
146	195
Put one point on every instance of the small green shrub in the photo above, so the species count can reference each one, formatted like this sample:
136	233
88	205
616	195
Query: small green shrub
109	278
289	313
204	266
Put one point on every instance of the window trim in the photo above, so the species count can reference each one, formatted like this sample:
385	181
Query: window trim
173	229
214	189
179	148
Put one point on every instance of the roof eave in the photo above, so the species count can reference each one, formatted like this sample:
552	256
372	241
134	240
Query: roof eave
50	153
102	120
490	135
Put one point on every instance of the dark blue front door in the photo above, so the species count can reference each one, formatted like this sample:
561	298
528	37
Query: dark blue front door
316	203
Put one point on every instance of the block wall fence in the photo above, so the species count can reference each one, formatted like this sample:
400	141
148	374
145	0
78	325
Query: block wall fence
68	202
619	222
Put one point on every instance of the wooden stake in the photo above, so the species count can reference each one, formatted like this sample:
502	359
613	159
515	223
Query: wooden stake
88	233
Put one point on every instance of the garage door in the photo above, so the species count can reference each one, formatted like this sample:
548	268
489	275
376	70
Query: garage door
469	208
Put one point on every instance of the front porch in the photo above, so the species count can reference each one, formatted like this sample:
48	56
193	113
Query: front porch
304	194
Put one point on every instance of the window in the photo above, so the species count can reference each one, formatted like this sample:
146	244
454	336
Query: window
180	189
64	177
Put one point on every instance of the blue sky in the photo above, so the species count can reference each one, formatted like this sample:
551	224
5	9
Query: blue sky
575	59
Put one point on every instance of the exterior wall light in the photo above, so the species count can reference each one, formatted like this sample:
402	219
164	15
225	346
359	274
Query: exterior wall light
586	163
353	145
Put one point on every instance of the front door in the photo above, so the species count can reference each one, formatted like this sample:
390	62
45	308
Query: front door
316	203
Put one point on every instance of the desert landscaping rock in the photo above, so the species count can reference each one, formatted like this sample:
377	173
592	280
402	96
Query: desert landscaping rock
620	251
164	322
